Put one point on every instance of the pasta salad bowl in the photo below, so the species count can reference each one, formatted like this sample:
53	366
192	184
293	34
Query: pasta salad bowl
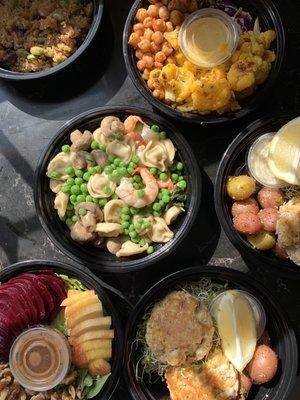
117	189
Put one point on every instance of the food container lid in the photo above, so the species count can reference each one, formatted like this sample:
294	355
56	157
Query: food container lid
40	358
263	178
210	57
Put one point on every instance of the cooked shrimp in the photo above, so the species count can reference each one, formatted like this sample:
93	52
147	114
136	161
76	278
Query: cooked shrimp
130	125
166	184
129	195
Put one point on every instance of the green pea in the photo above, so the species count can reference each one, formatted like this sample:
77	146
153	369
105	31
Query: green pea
66	188
115	196
181	184
125	224
137	179
69	221
107	190
130	170
165	191
65	148
70	207
74	218
70	213
89	157
136	185
79	173
98	169
92	170
115	173
78	181
108	169
153	171
163	177
146	224
75	189
70	171
166	199
179	166
131	228
160	195
102	202
135	239
122	171
181	178
111	158
132	165
102	146
83	188
119	135
122	164
73	198
89	198
142	242
155	128
141	193
125	217
95	200
71	181
174	177
117	162
162	135
156	207
125	210
135	158
82	211
156	214
80	198
55	175
132	234
150	250
86	176
94	145
126	232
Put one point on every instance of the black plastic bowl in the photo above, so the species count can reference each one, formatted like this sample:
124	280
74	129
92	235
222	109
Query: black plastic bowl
26	76
89	255
92	282
233	163
283	337
269	18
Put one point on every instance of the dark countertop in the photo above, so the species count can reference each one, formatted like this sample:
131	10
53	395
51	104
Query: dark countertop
30	115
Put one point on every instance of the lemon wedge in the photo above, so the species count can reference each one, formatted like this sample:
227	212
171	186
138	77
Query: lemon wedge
284	153
236	326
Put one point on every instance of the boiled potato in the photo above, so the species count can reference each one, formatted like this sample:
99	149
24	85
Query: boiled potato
262	241
263	366
240	187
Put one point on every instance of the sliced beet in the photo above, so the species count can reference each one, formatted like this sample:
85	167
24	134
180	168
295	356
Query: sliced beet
8	323
35	295
58	292
9	295
22	299
45	272
16	320
29	301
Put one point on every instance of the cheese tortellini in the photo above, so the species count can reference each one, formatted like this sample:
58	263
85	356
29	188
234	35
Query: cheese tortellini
124	149
59	164
109	229
157	154
160	233
61	203
112	211
130	249
97	185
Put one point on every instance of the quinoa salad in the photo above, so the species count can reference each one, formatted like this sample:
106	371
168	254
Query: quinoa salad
36	35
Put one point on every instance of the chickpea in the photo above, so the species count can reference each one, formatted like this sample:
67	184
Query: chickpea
155	48
144	45
139	54
157	37
164	13
171	60
153	11
169	26
141	14
148	22
138	27
160	57
159	25
146	74
134	39
149	60
176	17
166	48
148	34
158	64
141	64
159	94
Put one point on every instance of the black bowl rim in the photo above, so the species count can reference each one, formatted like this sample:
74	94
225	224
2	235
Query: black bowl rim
256	100
226	274
147	260
282	266
82	273
25	76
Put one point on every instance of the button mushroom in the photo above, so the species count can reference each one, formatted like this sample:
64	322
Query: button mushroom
81	142
91	217
100	157
55	185
80	234
114	245
110	125
81	159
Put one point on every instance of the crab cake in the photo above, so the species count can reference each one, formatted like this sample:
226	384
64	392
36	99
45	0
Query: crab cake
217	379
179	330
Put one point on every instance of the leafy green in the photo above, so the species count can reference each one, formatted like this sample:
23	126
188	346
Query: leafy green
90	385
60	323
73	283
178	198
291	191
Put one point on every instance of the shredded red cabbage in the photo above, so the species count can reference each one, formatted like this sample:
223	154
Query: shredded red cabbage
243	18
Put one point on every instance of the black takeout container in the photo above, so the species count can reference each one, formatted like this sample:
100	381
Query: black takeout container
234	163
92	282
89	255
282	335
79	53
269	18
